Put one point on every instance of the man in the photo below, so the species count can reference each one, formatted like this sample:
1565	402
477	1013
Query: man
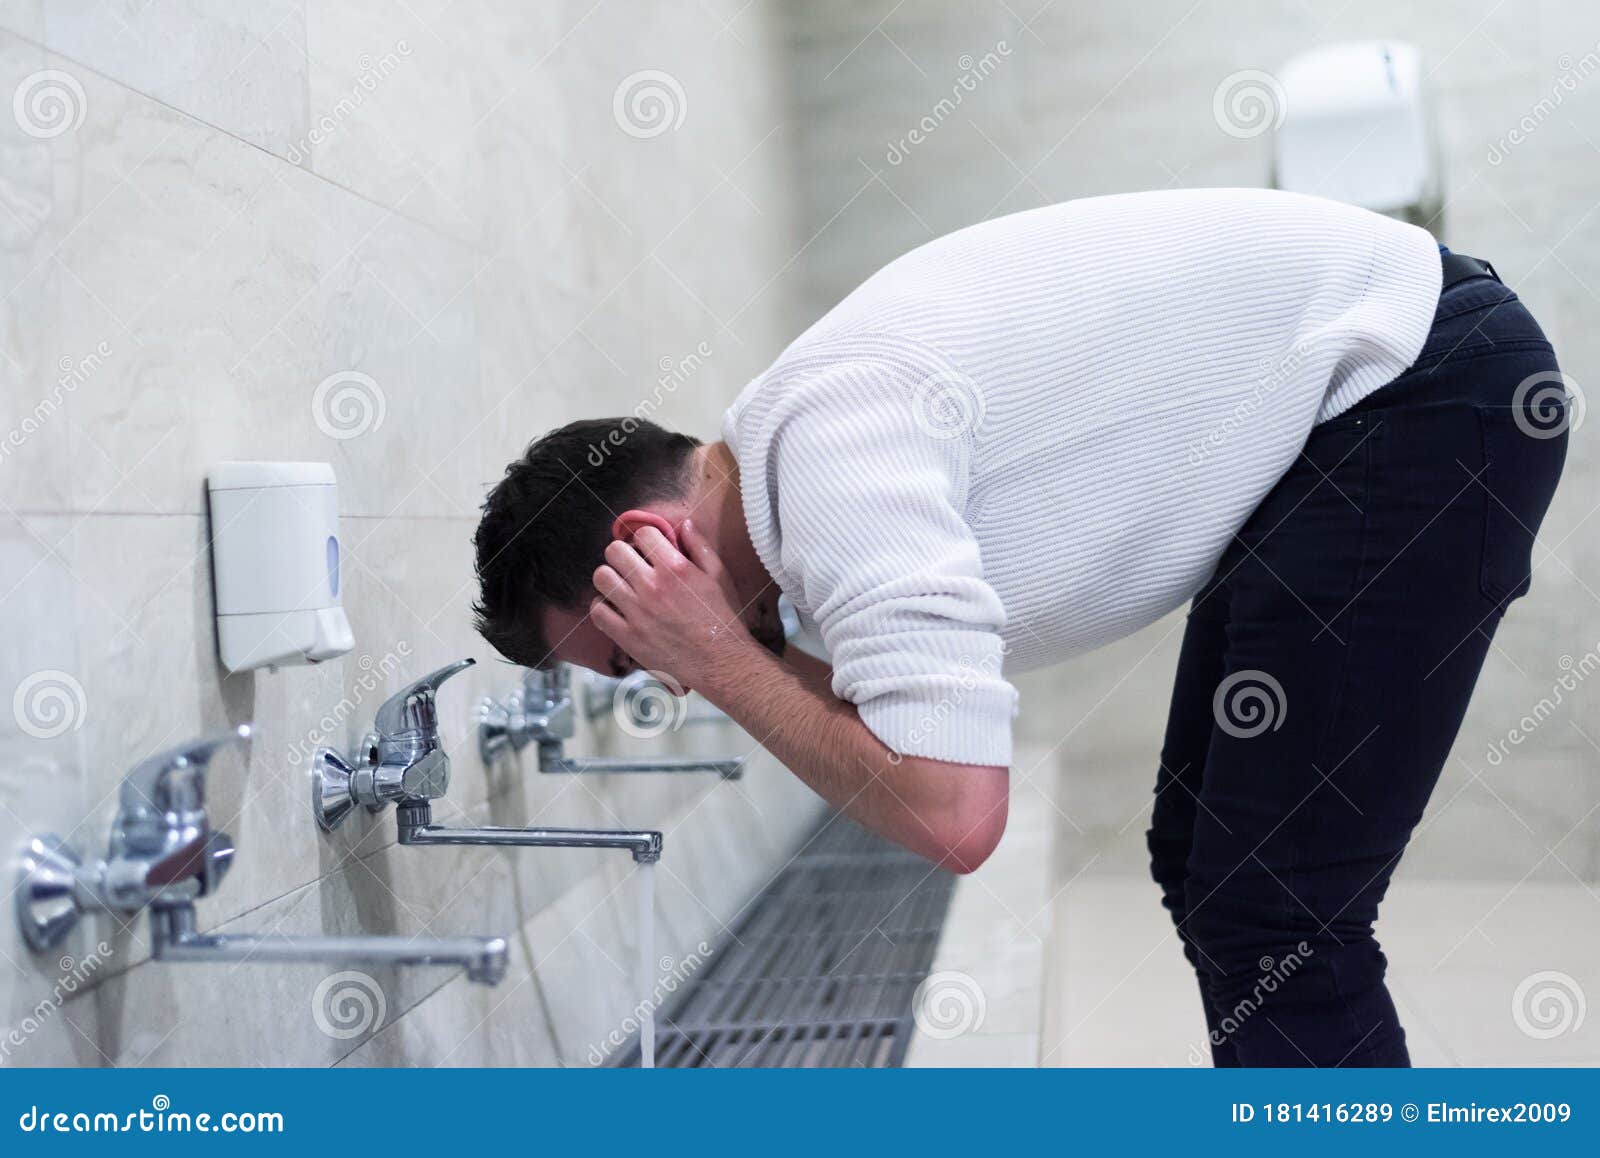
1044	432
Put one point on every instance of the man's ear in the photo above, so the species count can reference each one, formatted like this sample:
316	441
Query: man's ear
629	523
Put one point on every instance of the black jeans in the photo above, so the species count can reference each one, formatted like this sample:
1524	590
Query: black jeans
1325	670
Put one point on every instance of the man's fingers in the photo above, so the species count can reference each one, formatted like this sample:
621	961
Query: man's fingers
656	547
605	617
612	586
626	561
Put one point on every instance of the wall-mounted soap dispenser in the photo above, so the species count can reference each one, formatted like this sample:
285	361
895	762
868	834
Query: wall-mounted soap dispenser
275	562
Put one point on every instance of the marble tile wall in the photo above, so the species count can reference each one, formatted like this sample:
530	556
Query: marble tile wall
1018	105
206	210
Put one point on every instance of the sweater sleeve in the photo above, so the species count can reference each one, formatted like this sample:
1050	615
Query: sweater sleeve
867	493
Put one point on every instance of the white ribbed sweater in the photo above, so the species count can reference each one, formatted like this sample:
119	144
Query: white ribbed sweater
1036	435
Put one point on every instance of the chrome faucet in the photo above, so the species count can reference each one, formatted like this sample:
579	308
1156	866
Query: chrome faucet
637	700
543	712
403	763
402	757
164	855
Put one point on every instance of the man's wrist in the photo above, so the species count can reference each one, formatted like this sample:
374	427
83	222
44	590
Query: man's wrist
735	668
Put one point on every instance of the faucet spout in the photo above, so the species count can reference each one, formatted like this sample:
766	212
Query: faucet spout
553	759
415	828
164	856
543	712
174	939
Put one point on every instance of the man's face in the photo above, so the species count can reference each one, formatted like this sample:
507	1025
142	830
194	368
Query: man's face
575	639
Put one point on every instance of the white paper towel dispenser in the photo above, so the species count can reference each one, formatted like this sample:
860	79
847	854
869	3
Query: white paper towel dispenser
275	564
1357	127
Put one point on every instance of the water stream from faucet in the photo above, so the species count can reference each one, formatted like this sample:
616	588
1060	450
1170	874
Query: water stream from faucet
647	964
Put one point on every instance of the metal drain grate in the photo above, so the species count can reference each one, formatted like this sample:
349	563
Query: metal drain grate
822	970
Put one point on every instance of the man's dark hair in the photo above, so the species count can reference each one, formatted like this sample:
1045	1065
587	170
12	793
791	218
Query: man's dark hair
546	524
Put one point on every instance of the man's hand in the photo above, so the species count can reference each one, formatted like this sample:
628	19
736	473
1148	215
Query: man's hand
671	610
675	613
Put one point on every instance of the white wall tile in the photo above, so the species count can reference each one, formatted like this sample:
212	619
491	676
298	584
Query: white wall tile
239	67
473	236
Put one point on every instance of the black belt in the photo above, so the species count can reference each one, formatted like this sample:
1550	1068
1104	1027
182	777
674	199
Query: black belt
1458	267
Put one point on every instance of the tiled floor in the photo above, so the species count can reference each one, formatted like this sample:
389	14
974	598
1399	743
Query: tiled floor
1120	993
983	1003
1059	959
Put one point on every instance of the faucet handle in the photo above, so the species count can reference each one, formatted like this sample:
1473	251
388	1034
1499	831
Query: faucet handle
639	702
163	799
546	686
170	780
599	691
548	702
413	708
